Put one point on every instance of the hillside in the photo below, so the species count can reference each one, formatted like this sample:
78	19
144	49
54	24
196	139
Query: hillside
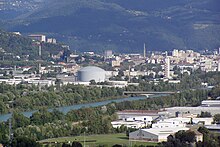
124	25
12	46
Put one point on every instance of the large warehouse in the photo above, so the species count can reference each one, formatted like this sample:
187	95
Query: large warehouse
86	74
154	134
189	110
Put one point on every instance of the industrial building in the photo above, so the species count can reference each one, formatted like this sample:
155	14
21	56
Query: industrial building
134	113
211	103
168	124
38	37
184	111
186	120
133	122
213	127
86	74
128	124
161	130
154	134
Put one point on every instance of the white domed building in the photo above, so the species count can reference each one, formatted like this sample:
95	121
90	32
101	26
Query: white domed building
86	74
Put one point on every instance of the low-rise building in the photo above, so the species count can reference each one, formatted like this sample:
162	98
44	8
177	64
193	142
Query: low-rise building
116	63
194	120
128	124
42	82
211	103
168	124
133	122
213	127
198	135
38	37
134	113
172	111
154	134
120	84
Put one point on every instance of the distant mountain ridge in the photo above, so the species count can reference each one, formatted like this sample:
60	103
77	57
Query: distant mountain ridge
124	25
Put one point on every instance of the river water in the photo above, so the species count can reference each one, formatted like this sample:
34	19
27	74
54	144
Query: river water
66	109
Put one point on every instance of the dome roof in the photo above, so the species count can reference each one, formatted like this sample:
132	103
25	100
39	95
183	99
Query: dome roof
92	68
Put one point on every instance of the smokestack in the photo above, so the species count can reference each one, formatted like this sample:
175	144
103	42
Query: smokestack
40	48
144	51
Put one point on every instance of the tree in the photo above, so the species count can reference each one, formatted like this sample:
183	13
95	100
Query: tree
186	136
24	142
76	144
203	130
216	118
19	120
205	114
181	139
66	145
117	145
92	82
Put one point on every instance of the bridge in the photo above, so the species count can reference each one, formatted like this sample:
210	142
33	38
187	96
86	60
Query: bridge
148	92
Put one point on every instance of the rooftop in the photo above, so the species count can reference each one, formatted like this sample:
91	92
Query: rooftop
92	68
158	131
140	111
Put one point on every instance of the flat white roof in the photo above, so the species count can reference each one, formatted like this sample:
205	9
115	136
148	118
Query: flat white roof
192	108
215	127
158	131
208	102
126	122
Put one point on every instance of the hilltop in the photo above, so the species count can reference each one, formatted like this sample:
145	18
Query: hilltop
124	25
14	47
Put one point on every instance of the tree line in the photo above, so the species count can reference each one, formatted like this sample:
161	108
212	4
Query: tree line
44	124
25	97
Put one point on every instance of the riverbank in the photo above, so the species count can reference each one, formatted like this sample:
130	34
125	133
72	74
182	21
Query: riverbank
66	109
55	107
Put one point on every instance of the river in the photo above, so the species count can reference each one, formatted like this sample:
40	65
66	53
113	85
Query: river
66	109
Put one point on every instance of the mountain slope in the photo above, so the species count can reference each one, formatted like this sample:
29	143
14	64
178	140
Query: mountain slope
124	25
16	45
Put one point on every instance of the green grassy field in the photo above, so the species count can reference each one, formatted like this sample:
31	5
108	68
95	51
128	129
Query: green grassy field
95	140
